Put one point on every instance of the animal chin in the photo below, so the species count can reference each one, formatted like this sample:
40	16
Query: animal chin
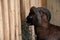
28	22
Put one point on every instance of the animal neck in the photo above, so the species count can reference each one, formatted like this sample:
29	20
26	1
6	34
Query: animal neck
44	24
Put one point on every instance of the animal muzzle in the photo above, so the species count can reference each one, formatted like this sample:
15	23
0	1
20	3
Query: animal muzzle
29	20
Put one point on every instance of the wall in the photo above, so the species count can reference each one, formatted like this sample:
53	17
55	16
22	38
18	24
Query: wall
54	7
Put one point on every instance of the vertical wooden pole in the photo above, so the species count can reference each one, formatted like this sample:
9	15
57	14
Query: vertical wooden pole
27	7
5	19
18	20
12	19
22	10
39	3
1	23
44	3
32	3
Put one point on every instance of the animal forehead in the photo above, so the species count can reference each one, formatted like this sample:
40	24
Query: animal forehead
36	12
42	13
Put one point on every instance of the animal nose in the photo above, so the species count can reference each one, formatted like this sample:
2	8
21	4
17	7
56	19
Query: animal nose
29	19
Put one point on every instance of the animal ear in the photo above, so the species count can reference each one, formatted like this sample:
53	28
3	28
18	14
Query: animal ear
35	11
45	11
32	10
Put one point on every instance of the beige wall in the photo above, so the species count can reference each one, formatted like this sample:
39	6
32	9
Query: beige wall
54	7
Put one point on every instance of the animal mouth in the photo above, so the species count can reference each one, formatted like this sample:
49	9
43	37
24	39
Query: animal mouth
28	22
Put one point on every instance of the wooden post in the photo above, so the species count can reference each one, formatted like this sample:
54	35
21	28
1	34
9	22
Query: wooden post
12	19
24	9
1	23
18	20
44	3
39	3
5	19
